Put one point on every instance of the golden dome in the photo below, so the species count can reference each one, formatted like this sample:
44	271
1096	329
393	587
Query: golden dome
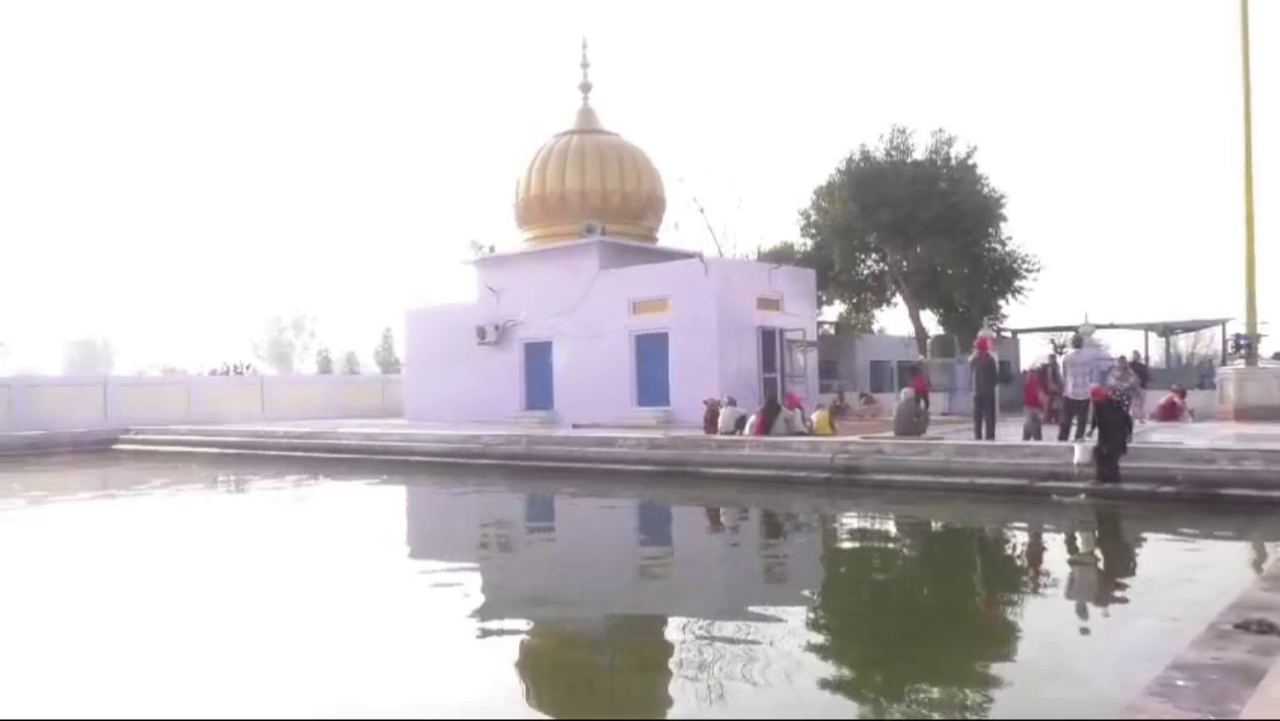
588	176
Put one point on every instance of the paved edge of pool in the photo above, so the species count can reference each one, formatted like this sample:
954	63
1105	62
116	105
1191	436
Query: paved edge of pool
1223	673
1235	473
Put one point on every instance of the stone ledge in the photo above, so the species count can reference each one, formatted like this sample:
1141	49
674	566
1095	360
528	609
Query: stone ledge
1218	673
1043	452
1013	465
57	441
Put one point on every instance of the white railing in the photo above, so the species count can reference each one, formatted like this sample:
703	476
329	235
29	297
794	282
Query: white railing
31	403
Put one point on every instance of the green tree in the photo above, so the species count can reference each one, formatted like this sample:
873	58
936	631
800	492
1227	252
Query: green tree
286	342
351	363
385	354
324	362
90	356
920	225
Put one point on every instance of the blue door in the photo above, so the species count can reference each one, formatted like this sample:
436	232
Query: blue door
653	370
539	387
539	513
654	523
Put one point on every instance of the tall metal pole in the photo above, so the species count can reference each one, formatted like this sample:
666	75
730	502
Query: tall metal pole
1250	284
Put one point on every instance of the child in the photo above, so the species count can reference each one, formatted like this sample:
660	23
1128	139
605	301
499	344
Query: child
823	424
1034	403
920	384
711	416
1114	427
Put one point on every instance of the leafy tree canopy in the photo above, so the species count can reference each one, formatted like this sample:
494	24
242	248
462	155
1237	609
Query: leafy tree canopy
286	342
920	225
385	354
351	363
324	362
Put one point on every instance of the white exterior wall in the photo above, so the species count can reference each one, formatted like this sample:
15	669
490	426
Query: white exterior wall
36	403
579	298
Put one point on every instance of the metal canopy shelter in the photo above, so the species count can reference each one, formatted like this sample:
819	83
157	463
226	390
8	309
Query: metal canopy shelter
1161	329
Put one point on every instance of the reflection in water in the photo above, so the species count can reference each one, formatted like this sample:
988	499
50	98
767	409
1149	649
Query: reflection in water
1101	562
620	669
524	598
913	617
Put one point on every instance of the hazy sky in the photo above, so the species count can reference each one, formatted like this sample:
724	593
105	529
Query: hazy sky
171	172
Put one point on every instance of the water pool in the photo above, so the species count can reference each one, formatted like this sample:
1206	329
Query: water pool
214	586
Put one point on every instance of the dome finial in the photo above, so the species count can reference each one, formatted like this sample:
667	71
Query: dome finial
585	85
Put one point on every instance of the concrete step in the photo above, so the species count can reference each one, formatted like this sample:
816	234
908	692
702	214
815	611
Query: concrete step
1003	467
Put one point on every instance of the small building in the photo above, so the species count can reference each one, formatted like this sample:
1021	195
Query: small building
880	364
591	322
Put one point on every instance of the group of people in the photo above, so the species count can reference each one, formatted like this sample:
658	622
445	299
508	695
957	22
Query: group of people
772	418
1065	395
1106	403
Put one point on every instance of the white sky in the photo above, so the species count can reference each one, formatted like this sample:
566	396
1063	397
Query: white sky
172	172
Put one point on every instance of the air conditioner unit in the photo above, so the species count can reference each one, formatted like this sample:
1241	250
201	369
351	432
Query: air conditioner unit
488	333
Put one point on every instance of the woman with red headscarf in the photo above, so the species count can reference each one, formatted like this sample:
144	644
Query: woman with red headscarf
794	415
767	418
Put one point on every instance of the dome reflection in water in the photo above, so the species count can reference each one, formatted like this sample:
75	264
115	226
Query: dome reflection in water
639	609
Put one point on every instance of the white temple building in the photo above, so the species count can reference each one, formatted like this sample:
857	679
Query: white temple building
592	321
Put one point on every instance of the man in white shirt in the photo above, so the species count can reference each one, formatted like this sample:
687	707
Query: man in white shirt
1079	373
732	418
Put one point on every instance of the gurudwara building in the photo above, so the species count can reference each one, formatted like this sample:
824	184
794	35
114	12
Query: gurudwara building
593	321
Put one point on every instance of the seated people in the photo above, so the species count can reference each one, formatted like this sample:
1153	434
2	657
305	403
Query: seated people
710	416
1173	407
910	418
822	422
769	419
733	420
839	406
793	416
868	406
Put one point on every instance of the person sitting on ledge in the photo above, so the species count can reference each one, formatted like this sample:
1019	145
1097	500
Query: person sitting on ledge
910	419
793	416
822	422
839	406
1173	407
868	406
710	416
733	420
770	420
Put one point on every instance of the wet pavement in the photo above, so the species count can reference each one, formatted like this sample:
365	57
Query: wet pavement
248	587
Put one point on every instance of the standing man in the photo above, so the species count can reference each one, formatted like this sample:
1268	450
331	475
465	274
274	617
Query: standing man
1139	366
984	374
1079	370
